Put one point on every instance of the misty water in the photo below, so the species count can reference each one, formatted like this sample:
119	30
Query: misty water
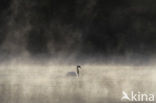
49	83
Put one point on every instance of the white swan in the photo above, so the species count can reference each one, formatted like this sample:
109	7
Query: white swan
75	74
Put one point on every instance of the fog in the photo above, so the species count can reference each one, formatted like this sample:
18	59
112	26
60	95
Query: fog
41	41
26	82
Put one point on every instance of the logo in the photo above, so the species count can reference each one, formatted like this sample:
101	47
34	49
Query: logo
137	97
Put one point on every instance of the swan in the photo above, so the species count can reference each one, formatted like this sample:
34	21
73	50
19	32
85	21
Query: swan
76	73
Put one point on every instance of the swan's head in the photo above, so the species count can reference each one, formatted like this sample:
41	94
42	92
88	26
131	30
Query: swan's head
78	67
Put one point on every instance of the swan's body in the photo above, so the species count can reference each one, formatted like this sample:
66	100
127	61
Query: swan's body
74	74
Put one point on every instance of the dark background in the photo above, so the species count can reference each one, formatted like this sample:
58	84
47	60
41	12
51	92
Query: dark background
77	27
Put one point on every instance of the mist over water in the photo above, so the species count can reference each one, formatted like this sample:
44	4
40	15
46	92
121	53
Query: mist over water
48	82
41	41
80	28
